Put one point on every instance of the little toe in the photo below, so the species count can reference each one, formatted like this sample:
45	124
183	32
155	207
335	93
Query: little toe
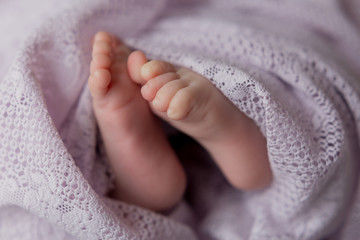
154	68
135	61
166	93
150	89
98	83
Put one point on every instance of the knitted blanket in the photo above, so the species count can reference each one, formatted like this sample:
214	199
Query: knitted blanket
291	66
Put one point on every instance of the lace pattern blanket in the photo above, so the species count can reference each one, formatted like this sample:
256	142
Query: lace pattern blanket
292	66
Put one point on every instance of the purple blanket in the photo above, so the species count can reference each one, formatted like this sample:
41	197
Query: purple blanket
291	66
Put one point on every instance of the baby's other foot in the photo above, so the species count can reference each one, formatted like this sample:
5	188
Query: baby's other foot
180	96
109	82
146	168
189	102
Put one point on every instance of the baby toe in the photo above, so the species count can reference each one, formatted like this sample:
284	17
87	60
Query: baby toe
104	37
100	61
181	104
101	47
166	93
98	83
150	89
135	61
155	68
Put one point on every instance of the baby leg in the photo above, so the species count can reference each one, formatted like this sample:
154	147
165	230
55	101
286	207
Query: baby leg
147	170
192	104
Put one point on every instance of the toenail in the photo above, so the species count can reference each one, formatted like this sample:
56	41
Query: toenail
145	87
156	102
97	74
170	112
146	69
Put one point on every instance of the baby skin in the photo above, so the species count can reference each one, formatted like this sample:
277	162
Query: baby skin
128	89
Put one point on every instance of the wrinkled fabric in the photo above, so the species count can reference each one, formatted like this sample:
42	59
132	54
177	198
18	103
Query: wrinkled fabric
291	66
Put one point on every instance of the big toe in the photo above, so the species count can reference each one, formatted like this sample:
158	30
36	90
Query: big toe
135	62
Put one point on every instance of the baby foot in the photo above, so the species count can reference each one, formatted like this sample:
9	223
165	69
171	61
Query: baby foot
182	97
147	171
192	104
